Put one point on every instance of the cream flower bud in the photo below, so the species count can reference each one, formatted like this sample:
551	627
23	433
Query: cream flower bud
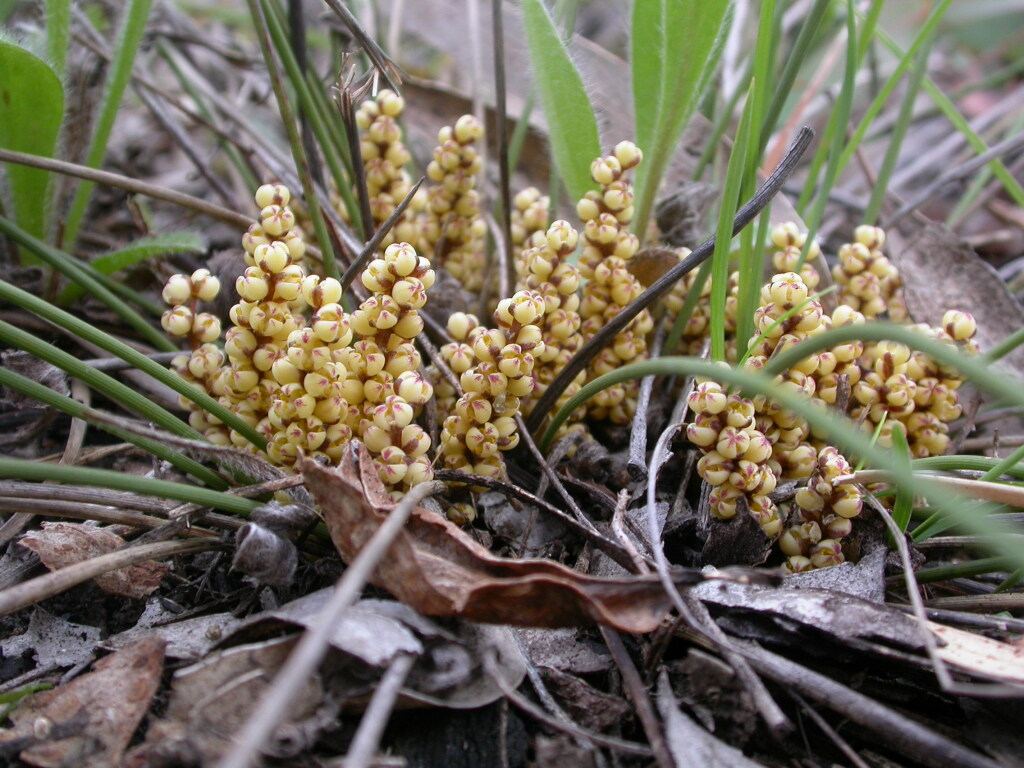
205	286
205	327
272	257
177	290
276	220
177	321
272	194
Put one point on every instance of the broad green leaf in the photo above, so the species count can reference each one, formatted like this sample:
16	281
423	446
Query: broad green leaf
647	58
572	127
142	249
686	43
31	107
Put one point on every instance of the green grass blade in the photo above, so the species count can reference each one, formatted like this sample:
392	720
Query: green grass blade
23	469
142	249
30	115
129	35
904	503
84	330
975	463
572	126
302	162
734	180
899	132
683	318
882	97
72	407
949	110
794	62
752	257
689	44
279	36
838	123
101	382
81	274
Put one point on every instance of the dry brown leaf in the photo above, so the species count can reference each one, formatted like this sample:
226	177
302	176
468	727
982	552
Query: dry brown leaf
62	544
105	705
437	569
940	272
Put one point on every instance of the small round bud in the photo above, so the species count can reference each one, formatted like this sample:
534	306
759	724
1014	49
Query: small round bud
277	219
205	286
177	290
272	257
272	194
177	321
960	326
628	154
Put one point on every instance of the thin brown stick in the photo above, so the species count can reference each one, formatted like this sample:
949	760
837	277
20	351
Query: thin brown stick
359	263
85	495
35	590
311	648
382	704
894	730
641	701
129	185
564	726
75	510
550	473
830	732
501	117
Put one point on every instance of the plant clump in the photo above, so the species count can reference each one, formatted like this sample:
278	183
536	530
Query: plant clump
310	376
751	446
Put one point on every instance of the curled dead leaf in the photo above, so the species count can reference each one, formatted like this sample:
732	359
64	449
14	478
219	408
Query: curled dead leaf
89	722
437	569
62	544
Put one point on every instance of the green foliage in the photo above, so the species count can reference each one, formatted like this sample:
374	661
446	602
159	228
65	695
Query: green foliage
142	249
720	260
23	469
675	49
31	109
572	127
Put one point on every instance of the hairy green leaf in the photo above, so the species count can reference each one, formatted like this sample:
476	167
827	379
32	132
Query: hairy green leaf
142	249
680	42
572	126
31	109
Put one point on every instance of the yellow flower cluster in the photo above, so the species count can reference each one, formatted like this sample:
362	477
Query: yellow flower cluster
737	455
453	230
482	423
890	386
868	281
550	274
388	388
822	516
786	316
384	159
310	385
529	220
606	216
201	366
